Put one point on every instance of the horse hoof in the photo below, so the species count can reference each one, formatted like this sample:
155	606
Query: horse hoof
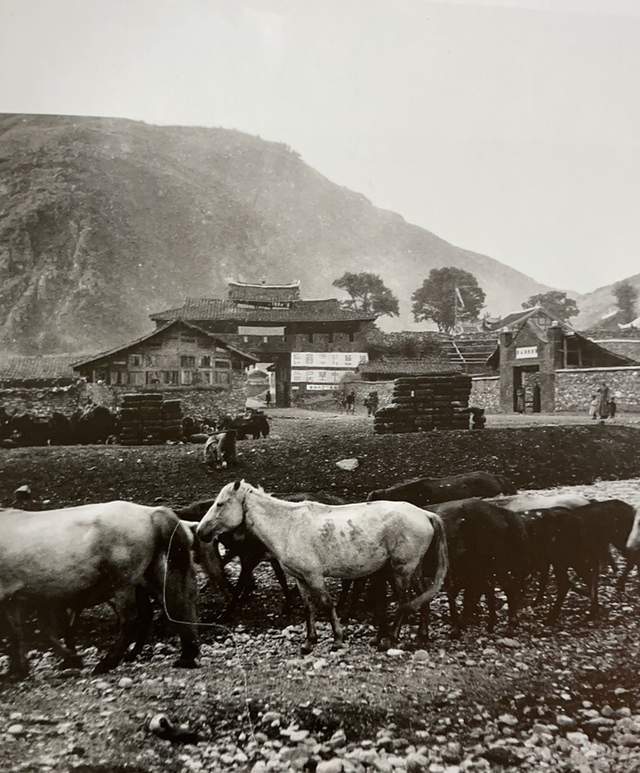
384	644
306	648
337	645
185	663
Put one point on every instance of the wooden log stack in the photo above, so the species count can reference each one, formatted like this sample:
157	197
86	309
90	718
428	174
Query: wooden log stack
147	419
422	403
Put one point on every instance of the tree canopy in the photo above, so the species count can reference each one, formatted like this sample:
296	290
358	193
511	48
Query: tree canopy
368	293
448	295
555	302
626	296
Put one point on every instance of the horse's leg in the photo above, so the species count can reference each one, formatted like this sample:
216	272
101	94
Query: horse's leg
543	580
512	588
401	582
378	587
490	596
282	579
248	563
51	620
144	612
322	598
562	588
126	610
18	664
452	594
180	598
629	563
310	619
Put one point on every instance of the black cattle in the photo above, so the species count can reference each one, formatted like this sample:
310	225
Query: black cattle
577	539
249	549
428	491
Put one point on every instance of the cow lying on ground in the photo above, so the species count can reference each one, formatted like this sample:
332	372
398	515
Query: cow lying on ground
77	557
428	491
249	549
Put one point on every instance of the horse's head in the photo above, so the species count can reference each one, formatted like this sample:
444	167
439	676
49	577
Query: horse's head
226	513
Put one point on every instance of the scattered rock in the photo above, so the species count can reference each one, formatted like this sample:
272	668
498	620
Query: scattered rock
348	464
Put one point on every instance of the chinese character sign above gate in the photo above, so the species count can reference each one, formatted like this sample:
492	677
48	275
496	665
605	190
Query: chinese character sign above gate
327	359
526	352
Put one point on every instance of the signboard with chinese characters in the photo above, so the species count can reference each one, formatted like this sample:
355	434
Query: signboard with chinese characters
526	352
304	376
327	359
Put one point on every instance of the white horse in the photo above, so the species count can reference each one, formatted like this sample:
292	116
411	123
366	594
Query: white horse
313	541
520	503
77	557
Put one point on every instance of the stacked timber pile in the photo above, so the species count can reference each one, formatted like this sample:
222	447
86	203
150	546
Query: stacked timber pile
426	402
172	419
141	419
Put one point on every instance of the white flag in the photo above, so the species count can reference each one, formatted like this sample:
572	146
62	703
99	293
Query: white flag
459	297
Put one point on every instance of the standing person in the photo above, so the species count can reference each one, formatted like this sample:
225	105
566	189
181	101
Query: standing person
603	401
267	398
351	402
593	407
519	400
612	407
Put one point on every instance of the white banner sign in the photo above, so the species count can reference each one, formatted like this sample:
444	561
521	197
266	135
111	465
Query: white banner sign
526	352
327	359
260	331
304	376
320	387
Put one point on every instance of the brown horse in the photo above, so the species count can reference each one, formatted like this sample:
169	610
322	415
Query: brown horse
81	556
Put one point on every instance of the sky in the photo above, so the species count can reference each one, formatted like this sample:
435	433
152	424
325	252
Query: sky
510	128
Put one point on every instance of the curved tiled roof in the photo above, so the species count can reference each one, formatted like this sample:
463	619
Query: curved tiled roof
37	368
195	309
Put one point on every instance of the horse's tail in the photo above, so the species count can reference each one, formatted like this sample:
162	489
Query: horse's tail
435	564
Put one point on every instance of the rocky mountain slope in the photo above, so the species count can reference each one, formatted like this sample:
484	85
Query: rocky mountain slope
104	220
595	306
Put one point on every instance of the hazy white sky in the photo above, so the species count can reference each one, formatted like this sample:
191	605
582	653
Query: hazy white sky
509	127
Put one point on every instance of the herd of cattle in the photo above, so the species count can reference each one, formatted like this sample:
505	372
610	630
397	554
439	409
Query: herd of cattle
55	563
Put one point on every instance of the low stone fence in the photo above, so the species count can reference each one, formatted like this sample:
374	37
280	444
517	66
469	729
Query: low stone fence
575	387
485	393
42	401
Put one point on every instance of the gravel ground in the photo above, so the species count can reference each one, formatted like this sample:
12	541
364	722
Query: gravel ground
561	699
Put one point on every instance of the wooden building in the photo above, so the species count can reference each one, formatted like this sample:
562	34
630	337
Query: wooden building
176	353
311	344
531	348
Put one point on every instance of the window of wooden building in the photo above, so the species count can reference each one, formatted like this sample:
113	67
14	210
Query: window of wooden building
221	377
205	361
135	360
222	364
187	377
170	377
187	361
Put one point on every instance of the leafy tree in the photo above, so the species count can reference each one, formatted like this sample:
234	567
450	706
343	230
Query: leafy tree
556	303
368	293
448	295
626	297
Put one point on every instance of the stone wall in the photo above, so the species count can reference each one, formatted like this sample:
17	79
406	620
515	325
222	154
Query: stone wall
196	401
575	387
485	393
44	401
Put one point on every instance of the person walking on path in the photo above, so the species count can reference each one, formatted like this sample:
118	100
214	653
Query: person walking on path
603	401
267	398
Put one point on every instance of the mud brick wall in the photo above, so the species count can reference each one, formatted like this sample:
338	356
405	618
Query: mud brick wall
485	393
42	402
575	387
